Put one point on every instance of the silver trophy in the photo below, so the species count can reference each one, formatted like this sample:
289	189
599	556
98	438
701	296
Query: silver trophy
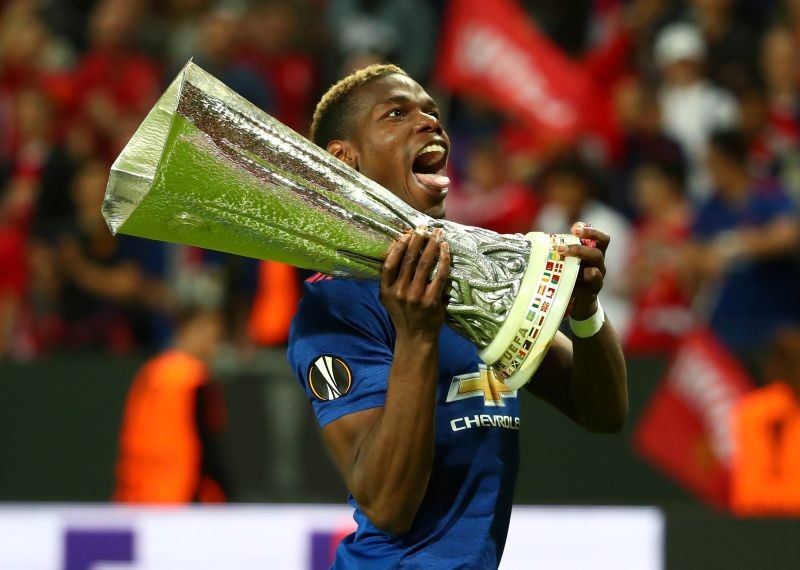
207	168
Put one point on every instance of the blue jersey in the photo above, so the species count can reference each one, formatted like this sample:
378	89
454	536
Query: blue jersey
341	349
754	299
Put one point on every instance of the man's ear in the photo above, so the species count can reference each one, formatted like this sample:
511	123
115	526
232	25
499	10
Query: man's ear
344	151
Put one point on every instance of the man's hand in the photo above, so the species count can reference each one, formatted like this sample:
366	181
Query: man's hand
386	454
414	302
593	268
585	378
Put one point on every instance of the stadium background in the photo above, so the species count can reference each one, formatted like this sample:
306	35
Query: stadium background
80	312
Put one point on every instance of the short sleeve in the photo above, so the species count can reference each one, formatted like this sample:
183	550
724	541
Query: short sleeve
340	348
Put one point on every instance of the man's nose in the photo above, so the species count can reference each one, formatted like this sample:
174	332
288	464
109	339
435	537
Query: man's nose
427	122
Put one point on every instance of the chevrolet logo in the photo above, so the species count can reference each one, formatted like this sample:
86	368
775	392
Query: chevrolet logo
480	383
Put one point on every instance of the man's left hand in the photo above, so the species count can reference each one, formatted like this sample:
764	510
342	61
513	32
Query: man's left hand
592	271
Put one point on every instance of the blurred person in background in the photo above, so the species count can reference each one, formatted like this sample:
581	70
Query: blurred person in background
183	22
488	198
739	259
786	13
570	191
661	305
780	70
104	291
220	53
780	73
279	51
32	195
30	54
731	47
765	474
169	443
643	142
113	85
691	106
773	153
364	32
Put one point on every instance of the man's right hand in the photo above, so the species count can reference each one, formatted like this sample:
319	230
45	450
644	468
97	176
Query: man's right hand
415	302
386	454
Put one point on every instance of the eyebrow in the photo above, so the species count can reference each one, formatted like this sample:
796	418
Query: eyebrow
429	102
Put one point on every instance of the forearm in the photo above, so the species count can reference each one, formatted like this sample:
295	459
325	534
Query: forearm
598	383
394	461
778	238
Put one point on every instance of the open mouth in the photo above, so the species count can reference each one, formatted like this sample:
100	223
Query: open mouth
430	167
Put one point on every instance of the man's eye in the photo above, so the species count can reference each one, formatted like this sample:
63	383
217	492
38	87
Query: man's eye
434	114
396	113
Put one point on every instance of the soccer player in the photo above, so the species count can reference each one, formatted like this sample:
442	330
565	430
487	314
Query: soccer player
424	435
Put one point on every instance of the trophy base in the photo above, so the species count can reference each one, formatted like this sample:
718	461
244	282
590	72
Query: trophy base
544	295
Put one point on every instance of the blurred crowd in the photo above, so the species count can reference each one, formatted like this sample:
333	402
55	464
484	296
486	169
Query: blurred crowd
690	160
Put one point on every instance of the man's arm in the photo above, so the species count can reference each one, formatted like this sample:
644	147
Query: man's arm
586	378
386	454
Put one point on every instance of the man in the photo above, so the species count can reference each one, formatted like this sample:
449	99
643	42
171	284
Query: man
174	416
746	230
765	471
692	106
432	485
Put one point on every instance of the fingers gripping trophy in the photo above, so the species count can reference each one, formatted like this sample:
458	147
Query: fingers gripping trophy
209	169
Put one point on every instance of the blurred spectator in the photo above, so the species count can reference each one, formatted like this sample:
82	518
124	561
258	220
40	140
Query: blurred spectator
219	54
184	19
570	190
743	236
772	153
730	46
779	69
373	31
276	53
644	141
488	198
101	290
765	475
114	86
661	306
174	416
29	52
692	107
32	186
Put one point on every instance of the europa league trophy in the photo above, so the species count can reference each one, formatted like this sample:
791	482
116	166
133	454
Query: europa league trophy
209	169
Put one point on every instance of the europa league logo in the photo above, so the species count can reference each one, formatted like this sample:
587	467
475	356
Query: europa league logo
207	168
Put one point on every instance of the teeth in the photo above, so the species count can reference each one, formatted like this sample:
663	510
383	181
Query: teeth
434	147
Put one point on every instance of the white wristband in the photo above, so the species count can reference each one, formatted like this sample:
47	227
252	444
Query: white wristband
590	326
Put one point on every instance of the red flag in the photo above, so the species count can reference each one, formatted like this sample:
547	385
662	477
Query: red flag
493	50
686	429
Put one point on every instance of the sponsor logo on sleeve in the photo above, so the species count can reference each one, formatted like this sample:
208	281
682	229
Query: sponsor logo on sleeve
329	378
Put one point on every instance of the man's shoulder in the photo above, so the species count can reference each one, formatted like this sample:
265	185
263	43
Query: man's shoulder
322	287
339	299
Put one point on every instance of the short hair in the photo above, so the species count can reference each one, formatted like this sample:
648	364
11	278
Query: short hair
334	111
572	166
672	171
731	144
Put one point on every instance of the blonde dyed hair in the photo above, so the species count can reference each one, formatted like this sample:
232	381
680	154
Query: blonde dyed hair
332	115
